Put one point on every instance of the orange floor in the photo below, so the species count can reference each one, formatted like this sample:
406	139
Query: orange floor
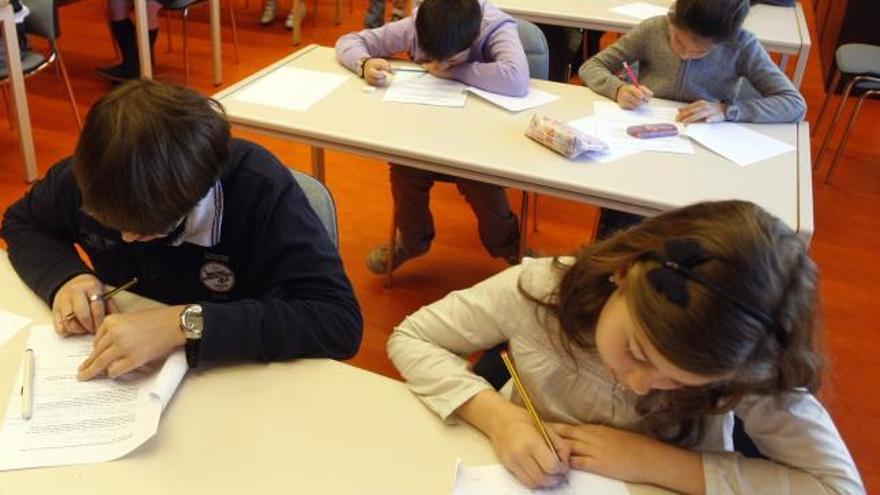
845	244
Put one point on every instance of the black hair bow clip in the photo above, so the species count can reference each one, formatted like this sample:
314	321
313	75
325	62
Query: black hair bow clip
676	267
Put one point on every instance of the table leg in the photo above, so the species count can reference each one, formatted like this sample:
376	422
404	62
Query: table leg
143	38
19	97
215	42
318	163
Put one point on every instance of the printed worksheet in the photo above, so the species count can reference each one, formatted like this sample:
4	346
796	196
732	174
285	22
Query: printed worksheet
77	422
424	89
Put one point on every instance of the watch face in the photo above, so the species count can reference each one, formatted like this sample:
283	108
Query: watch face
193	321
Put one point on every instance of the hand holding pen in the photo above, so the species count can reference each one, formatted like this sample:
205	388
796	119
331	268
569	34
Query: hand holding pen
81	304
546	467
631	96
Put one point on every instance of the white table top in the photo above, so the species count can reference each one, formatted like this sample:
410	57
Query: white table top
484	142
778	28
308	426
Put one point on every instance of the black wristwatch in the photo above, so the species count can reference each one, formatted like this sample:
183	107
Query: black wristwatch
192	322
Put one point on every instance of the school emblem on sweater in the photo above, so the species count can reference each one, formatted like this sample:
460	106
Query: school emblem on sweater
217	277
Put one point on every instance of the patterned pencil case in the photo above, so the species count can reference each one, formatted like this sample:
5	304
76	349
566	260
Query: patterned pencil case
562	138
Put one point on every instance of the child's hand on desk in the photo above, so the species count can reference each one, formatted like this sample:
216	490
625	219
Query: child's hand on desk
702	111
377	72
630	97
73	297
523	451
127	341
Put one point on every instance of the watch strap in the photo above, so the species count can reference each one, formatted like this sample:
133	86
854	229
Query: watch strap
191	349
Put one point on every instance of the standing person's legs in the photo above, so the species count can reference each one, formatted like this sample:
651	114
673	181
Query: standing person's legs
410	189
497	224
124	33
375	16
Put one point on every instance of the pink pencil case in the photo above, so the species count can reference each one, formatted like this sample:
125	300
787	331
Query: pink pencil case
562	138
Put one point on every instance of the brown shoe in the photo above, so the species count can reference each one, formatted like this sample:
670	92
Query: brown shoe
377	260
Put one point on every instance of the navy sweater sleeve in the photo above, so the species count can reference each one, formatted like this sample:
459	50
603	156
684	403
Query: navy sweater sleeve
40	230
306	306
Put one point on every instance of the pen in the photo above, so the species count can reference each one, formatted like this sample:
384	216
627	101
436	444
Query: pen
632	75
27	384
521	389
104	296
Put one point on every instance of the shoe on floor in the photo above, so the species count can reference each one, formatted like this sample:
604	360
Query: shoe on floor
377	260
268	14
118	73
288	23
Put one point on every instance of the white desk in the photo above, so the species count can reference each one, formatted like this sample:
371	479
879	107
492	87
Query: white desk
19	96
309	426
143	40
780	29
486	143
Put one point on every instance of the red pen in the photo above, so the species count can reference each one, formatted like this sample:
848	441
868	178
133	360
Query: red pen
632	75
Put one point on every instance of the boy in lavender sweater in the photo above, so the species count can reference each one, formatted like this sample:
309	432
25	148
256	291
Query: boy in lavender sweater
467	40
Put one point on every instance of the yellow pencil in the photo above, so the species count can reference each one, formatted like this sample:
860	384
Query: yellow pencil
521	389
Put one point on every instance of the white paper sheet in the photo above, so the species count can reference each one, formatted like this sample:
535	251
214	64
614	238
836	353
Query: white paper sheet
534	98
425	89
640	10
644	114
494	479
11	324
291	88
736	143
589	125
611	123
77	422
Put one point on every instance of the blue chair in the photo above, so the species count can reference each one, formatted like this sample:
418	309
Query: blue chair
183	7
321	201
860	63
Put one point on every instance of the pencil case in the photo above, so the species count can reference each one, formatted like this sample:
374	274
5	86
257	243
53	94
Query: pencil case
649	131
562	138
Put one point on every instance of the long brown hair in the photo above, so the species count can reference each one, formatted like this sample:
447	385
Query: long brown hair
753	255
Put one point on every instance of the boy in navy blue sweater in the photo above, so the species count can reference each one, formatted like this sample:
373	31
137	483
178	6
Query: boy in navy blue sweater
212	226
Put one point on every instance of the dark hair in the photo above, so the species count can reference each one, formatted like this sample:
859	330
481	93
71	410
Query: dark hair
447	27
147	154
752	254
718	20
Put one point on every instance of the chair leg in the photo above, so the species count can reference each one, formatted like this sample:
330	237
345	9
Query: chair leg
523	223
185	49
392	240
845	139
834	82
314	13
351	6
234	29
833	125
168	28
68	87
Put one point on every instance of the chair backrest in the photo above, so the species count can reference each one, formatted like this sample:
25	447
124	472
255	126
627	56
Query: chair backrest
43	19
537	52
321	201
